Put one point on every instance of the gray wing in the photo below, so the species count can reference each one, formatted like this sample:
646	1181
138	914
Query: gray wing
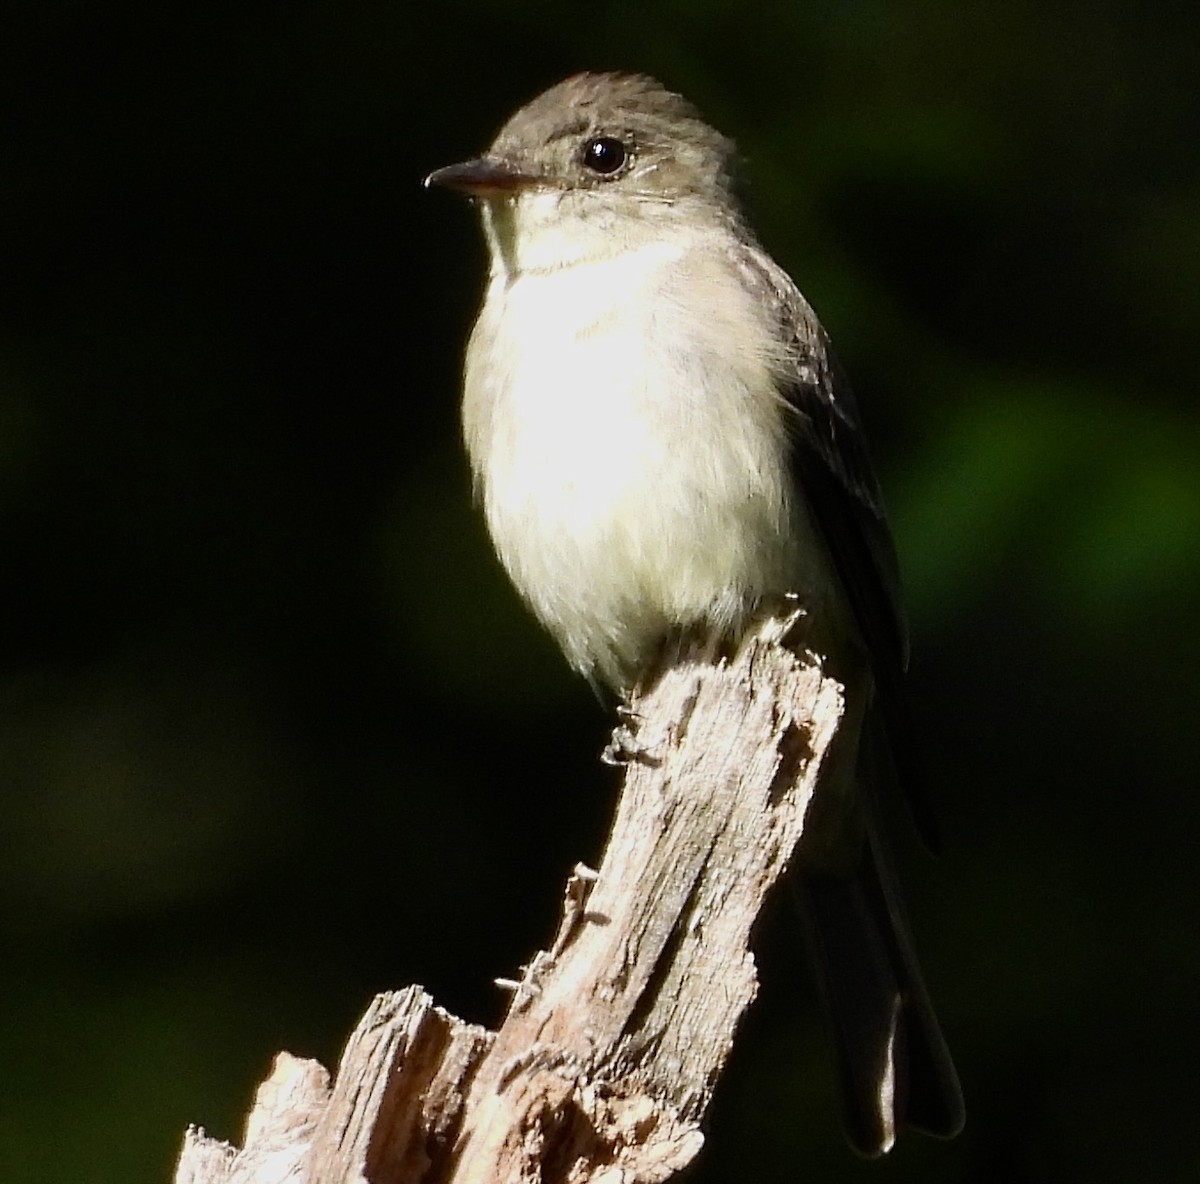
894	1064
833	467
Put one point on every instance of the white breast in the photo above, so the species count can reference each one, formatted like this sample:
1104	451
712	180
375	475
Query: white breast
632	464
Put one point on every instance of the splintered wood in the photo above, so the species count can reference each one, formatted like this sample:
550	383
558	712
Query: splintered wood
615	1037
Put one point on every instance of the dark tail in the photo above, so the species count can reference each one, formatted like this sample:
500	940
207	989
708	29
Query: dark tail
894	1065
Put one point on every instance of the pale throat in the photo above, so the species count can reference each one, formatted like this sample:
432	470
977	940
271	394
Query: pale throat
547	230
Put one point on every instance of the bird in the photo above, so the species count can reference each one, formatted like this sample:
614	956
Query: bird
664	444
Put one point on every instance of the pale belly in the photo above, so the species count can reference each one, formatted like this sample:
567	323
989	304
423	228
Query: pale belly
634	477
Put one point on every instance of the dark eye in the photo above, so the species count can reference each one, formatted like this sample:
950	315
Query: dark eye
604	155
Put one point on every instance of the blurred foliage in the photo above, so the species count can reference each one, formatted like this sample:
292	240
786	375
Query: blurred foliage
274	733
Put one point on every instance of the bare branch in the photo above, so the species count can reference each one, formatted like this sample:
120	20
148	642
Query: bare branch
615	1037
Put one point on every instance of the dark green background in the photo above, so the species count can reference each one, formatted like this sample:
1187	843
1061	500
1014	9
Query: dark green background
275	735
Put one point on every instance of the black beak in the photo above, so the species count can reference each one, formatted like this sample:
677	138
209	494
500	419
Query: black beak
485	176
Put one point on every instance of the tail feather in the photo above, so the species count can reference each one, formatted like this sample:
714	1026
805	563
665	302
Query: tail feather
893	1062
